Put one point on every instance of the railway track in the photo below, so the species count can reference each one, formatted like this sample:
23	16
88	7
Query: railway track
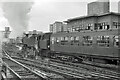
46	66
111	73
73	70
18	71
21	71
50	68
77	72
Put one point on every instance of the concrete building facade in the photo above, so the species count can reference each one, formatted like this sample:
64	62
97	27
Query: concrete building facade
51	28
99	7
58	27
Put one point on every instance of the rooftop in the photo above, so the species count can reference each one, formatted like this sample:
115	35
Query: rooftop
83	17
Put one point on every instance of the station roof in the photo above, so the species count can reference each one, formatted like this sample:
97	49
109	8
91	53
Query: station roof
83	17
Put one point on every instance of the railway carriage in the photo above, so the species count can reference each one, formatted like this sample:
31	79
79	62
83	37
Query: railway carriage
100	46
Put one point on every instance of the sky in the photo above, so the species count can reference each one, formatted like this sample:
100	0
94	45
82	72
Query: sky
46	12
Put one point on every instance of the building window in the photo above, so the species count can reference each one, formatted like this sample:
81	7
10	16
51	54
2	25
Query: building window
73	29
89	27
69	29
96	26
115	25
103	41
102	26
81	27
77	29
116	41
87	40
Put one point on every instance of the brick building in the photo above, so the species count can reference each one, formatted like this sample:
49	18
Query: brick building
98	18
106	21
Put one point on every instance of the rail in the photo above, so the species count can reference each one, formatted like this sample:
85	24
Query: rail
76	72
24	69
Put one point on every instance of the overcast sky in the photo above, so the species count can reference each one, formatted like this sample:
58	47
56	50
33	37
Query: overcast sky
45	12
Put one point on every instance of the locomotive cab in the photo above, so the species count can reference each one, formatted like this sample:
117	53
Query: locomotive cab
44	41
44	44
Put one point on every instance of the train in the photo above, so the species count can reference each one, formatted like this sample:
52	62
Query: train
96	46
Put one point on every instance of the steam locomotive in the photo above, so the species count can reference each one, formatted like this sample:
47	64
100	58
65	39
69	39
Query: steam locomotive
100	46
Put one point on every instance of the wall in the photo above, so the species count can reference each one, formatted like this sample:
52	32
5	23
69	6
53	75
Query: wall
98	8
82	22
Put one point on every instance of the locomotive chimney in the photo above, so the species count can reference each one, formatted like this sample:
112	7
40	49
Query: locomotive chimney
7	29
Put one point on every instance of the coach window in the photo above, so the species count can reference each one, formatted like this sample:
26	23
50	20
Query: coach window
76	39
53	40
66	38
71	38
116	41
103	41
87	40
57	39
62	38
77	29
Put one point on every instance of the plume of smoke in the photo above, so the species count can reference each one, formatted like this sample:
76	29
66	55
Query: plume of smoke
17	16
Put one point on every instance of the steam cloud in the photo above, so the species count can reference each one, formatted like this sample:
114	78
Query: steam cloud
17	16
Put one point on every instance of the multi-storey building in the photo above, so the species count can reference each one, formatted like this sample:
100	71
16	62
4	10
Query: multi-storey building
106	21
64	27
6	33
51	28
99	7
34	32
98	18
58	27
